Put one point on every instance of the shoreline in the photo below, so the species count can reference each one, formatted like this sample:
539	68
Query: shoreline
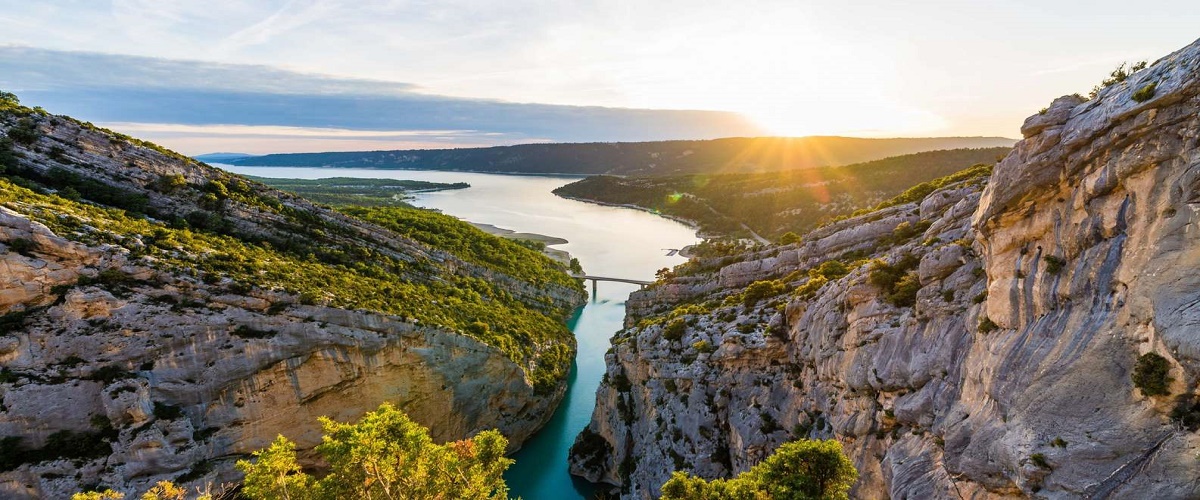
685	252
562	256
691	224
525	174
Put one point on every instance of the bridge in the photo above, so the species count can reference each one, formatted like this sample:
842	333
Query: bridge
597	279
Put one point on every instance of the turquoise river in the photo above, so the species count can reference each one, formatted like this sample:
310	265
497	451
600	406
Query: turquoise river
608	241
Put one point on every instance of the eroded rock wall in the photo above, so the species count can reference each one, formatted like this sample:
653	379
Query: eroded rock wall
192	376
1009	375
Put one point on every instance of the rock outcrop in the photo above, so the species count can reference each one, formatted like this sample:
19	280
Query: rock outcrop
998	365
175	374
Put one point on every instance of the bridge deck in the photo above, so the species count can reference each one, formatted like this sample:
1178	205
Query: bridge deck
617	280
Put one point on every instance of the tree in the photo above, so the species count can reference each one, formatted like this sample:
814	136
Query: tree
275	474
800	470
384	455
9	98
1151	374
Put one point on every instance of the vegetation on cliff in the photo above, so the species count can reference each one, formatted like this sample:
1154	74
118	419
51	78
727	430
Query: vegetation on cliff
773	204
384	455
801	470
242	234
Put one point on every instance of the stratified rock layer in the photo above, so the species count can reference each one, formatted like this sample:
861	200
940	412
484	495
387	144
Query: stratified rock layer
1010	376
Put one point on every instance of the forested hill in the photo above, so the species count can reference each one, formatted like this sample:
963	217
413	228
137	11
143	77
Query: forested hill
773	203
732	155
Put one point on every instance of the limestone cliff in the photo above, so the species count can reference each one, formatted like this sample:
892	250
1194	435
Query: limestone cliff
172	372
987	354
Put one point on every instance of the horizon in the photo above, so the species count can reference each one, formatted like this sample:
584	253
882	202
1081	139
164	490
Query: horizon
211	153
328	76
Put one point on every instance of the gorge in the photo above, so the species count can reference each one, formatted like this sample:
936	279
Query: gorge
978	341
1016	330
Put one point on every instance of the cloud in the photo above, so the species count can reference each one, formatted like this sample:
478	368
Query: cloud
290	16
209	102
27	68
195	139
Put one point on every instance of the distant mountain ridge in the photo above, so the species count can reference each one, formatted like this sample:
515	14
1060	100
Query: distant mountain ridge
221	157
730	155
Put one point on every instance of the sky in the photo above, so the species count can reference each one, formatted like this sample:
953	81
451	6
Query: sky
317	75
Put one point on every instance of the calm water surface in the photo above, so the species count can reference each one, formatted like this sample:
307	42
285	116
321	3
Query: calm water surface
608	241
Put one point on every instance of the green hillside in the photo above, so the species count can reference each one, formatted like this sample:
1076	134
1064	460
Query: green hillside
774	203
200	223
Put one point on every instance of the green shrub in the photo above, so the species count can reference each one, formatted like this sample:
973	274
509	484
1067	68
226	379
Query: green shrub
986	325
759	290
1119	75
789	238
810	288
170	183
898	282
830	270
1145	93
24	132
904	294
800	469
1054	264
1039	460
1151	374
906	231
217	189
675	329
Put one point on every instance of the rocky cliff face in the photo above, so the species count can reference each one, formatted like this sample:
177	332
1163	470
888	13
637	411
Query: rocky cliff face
996	360
174	374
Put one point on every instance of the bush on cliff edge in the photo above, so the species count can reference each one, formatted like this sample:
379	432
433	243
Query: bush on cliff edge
803	469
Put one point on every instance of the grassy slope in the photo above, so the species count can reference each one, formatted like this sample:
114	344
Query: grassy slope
330	267
777	202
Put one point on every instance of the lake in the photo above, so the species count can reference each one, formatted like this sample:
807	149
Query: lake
608	241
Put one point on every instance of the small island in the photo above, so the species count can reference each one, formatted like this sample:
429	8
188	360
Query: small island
357	191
